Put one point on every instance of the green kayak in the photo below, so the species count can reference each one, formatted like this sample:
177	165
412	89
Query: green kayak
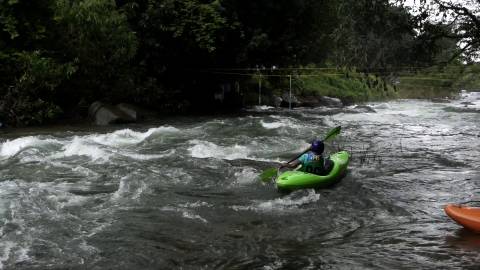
291	180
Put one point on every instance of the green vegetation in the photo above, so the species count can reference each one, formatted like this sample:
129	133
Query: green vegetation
58	56
350	87
438	81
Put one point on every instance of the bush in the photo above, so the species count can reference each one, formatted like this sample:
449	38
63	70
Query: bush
28	99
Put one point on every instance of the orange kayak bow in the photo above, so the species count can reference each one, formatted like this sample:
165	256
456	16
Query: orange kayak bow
468	217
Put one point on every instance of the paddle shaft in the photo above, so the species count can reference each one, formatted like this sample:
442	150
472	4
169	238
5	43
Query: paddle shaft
269	173
332	133
300	155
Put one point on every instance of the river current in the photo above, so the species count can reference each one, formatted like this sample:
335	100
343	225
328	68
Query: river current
185	193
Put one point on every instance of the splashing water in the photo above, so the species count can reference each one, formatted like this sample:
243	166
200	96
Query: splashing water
187	195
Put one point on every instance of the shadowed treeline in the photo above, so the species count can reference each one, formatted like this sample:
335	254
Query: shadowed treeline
58	56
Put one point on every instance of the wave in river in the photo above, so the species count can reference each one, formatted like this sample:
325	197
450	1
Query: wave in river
96	147
284	205
189	195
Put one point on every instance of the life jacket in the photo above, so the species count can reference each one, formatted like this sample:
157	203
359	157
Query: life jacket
313	163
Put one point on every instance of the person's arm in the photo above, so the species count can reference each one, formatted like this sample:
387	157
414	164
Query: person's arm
291	165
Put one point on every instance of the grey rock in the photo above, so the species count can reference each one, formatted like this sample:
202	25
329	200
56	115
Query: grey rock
330	102
310	101
440	100
466	103
129	110
286	100
276	101
365	109
106	114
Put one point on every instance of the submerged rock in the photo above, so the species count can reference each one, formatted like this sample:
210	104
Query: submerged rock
440	100
466	103
365	109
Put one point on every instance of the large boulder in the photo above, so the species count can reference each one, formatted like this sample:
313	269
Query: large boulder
276	101
309	101
129	110
106	114
329	101
286	100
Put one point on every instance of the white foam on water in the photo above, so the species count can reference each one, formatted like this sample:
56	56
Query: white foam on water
329	122
123	188
196	204
62	200
126	137
277	264
21	255
6	189
272	125
381	106
469	101
261	108
281	204
5	251
31	203
246	176
187	214
81	147
177	176
282	121
140	190
11	148
10	251
129	187
88	248
205	149
97	147
136	156
101	227
470	96
288	203
85	171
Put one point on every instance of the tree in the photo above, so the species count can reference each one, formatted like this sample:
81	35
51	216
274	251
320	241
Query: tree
96	36
373	35
282	32
462	17
29	74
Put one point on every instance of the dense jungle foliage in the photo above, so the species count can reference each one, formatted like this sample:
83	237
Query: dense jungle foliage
58	56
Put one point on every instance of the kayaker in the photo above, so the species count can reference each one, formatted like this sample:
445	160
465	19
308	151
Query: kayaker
312	161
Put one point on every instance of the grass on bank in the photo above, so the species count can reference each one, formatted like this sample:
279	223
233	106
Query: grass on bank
437	82
349	86
355	87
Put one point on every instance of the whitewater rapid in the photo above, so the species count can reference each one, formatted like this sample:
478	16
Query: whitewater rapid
186	194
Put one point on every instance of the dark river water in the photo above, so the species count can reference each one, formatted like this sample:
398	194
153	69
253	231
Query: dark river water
185	193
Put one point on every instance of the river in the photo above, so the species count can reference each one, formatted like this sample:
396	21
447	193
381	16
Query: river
185	193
